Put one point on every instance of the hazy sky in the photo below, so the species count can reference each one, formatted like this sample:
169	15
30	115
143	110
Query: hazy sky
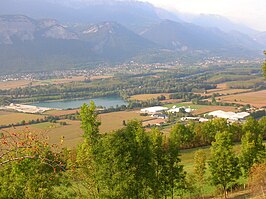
250	12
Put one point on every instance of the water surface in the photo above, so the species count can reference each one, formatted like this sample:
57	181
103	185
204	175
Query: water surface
107	102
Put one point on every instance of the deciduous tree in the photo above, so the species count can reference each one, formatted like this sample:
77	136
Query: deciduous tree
29	166
224	165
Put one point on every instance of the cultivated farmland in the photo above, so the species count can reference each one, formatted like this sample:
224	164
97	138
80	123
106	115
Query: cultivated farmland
144	97
256	99
13	117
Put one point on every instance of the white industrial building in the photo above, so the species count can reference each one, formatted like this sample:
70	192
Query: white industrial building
152	110
177	110
174	110
229	115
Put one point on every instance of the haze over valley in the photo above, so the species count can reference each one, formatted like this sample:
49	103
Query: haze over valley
45	35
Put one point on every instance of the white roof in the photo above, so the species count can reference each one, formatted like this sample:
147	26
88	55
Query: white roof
203	120
243	114
154	109
229	115
188	110
174	110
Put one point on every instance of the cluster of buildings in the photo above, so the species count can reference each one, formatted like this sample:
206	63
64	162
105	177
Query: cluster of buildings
159	109
161	113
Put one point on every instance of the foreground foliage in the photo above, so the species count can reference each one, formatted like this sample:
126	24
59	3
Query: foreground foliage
131	162
29	168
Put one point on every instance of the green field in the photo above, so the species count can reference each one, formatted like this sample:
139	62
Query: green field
185	104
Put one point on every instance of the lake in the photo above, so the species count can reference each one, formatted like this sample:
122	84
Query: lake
99	101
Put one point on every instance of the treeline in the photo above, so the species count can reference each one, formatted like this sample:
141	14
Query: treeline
202	134
187	96
4	101
125	87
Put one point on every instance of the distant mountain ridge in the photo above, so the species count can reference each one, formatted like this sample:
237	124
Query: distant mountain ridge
187	36
23	28
31	44
134	15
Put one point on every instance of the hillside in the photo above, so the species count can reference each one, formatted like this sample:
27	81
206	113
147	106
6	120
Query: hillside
187	36
28	44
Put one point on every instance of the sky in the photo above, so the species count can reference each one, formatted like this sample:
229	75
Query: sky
249	12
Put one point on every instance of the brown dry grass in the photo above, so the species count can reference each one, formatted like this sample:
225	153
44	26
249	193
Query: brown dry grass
257	99
72	132
59	81
230	91
114	121
5	113
61	112
222	86
101	77
14	84
13	118
24	83
171	101
153	122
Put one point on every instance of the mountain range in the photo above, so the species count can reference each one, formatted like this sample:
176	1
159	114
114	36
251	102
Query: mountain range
64	34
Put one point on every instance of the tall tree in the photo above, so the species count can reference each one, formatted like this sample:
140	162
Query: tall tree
196	180
158	164
252	148
125	163
200	166
89	122
88	151
174	173
182	135
262	123
224	165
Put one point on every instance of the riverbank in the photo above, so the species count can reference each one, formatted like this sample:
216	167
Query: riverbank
25	108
